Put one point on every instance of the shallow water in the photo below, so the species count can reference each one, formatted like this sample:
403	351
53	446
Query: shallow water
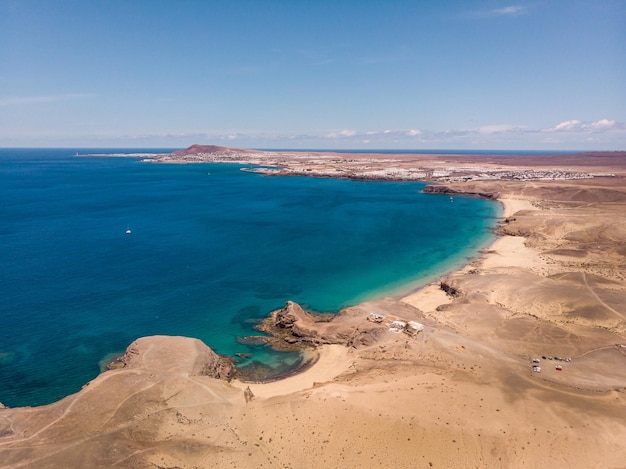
211	251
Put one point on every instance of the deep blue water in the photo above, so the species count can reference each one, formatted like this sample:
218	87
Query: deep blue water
212	250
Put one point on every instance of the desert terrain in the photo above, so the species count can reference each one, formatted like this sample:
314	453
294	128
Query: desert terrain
457	390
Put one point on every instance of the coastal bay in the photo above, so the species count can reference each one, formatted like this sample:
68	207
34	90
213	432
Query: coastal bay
461	392
211	251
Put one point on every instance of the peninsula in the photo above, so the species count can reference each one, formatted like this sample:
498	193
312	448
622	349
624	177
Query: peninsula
516	360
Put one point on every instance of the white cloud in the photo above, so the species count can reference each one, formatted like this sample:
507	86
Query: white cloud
20	100
602	124
498	129
570	134
505	133
511	10
575	125
342	134
570	125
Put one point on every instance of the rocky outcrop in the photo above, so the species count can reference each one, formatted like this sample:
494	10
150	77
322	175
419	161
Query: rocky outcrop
162	353
448	190
288	316
293	326
449	289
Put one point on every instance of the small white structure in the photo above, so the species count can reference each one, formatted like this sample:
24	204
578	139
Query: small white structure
397	326
376	317
413	327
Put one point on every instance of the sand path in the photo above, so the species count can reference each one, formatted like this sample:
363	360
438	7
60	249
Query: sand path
595	295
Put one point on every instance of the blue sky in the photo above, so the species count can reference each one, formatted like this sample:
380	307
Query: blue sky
542	74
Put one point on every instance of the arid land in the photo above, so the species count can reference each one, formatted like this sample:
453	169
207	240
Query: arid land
459	393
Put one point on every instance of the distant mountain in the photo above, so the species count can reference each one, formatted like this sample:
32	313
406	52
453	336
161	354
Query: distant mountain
204	149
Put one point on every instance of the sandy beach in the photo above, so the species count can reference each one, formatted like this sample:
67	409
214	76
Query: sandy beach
459	393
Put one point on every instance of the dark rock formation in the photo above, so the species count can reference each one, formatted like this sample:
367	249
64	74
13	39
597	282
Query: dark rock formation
292	325
448	190
449	289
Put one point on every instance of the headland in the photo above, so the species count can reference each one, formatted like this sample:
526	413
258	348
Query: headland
516	360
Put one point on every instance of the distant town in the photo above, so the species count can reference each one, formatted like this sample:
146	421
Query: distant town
366	166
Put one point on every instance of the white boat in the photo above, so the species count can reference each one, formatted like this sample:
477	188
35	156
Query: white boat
128	231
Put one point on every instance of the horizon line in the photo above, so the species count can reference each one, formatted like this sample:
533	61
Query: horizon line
334	150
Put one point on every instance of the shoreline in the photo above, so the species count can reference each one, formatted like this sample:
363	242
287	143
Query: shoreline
426	298
409	293
461	392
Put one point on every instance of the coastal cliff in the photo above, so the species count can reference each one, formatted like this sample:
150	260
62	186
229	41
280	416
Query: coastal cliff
442	189
189	355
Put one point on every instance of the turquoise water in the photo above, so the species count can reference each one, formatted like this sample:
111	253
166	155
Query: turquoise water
211	251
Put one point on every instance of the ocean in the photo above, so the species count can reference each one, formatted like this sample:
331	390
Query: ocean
211	251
